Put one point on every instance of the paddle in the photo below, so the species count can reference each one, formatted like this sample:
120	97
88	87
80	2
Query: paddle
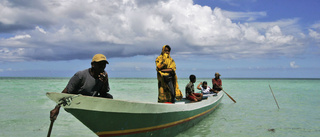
230	96
50	128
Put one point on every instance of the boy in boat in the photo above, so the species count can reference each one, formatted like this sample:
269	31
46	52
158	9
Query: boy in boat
205	89
217	83
190	90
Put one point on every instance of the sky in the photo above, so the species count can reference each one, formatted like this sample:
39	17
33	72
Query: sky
238	39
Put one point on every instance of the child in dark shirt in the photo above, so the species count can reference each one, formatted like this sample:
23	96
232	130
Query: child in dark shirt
190	90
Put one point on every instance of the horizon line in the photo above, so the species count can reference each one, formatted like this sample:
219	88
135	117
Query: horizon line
178	78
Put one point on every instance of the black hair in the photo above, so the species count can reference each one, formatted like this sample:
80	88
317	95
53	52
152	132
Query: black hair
192	77
204	82
167	46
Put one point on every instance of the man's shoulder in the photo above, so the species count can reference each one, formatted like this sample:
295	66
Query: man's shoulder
214	79
82	72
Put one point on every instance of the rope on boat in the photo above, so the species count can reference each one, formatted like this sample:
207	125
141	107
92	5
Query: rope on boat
66	100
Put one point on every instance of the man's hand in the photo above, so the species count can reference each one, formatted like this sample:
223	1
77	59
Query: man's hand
103	77
54	113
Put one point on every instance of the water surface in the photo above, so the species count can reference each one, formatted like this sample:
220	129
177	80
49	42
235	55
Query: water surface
25	108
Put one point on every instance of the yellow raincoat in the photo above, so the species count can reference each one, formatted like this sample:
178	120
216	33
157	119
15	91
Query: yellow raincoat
164	61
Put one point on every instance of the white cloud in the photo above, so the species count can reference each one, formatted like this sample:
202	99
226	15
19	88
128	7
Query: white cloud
293	64
275	36
316	25
314	31
78	29
19	37
8	69
245	16
314	34
15	54
41	30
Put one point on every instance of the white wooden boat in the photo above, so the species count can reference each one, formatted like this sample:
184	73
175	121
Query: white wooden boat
112	117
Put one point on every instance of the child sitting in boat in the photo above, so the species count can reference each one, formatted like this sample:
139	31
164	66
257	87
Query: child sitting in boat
205	89
190	90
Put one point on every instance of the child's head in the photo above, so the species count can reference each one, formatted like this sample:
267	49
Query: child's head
204	84
193	78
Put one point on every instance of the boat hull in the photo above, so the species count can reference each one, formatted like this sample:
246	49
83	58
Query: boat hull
107	117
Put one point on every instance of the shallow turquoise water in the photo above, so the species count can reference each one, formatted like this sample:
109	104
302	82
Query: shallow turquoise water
25	108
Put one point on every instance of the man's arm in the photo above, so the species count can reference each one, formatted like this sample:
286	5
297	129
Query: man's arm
103	77
213	82
55	112
167	70
65	90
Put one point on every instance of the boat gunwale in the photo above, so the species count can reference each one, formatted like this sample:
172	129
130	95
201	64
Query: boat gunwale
84	103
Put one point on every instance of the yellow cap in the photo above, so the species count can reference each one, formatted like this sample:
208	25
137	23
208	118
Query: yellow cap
217	74
99	57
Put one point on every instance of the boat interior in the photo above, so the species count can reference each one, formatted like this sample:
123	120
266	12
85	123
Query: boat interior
185	100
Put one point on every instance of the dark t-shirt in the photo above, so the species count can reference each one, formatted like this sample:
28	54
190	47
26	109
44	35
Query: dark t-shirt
83	83
189	89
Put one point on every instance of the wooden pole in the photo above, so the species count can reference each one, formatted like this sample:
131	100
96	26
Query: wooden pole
229	96
50	128
274	97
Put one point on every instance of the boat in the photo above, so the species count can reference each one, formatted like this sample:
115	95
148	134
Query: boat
112	117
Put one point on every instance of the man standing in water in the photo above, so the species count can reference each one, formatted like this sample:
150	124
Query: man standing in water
90	82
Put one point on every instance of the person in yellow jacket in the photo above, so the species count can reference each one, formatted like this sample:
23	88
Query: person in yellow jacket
168	87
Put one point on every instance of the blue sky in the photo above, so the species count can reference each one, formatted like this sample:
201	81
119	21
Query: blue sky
239	39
